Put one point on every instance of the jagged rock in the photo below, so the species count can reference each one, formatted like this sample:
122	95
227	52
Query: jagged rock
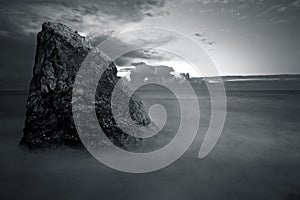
49	121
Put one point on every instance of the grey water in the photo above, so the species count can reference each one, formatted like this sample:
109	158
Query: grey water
256	157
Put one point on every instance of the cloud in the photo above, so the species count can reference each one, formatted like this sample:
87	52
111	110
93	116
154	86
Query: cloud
125	69
148	36
135	41
270	9
143	55
98	19
204	39
278	21
278	12
91	17
153	13
281	9
200	35
4	33
264	12
144	72
226	30
296	4
211	43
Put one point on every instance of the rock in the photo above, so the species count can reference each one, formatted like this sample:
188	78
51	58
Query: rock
49	121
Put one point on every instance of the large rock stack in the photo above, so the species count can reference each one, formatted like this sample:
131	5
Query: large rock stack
49	121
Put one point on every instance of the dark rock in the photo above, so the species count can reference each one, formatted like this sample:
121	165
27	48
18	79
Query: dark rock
49	121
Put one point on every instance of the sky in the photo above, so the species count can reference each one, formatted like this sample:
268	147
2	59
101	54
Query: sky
241	37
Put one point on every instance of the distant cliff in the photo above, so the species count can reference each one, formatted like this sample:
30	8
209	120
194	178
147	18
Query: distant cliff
49	121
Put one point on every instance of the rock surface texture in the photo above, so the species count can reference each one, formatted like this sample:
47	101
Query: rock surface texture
49	121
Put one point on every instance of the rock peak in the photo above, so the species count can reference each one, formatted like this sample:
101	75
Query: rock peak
61	31
55	26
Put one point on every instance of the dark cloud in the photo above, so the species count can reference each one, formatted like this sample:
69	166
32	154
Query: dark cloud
93	17
20	21
211	43
204	39
152	13
143	54
200	35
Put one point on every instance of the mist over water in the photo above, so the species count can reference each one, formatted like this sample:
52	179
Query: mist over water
257	157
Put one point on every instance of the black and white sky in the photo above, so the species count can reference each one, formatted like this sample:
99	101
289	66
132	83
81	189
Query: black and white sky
241	36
